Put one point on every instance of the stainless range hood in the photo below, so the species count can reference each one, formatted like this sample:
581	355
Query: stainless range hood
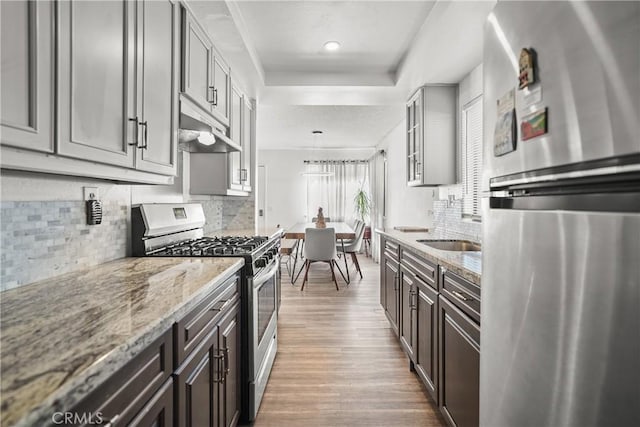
199	133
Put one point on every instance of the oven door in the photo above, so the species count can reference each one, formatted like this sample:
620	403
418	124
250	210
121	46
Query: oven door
264	314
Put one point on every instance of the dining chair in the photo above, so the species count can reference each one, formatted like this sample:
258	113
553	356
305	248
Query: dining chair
287	247
320	246
354	246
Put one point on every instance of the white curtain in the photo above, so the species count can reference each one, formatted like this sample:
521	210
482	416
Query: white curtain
335	193
378	179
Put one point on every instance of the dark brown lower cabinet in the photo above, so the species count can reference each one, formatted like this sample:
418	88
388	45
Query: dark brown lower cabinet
408	327
392	300
459	366
229	345
208	382
158	412
128	393
426	354
197	384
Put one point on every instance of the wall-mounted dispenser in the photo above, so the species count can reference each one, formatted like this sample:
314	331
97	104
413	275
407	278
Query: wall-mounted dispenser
94	206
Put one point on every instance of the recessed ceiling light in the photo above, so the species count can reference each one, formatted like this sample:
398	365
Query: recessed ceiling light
331	46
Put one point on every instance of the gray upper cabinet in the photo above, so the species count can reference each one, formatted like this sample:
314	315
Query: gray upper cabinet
220	82
431	136
196	63
27	84
95	81
109	111
157	86
205	74
235	158
248	136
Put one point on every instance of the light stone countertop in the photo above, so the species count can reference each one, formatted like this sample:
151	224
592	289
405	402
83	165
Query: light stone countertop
63	337
465	264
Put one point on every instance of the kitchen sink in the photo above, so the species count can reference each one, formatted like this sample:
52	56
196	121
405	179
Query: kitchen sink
452	245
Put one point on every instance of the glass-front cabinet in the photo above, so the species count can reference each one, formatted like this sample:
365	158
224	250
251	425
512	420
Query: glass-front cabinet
431	135
414	139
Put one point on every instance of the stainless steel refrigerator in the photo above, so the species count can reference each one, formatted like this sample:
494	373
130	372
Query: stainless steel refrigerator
560	335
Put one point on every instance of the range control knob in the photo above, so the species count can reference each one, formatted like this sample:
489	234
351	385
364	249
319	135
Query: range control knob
261	263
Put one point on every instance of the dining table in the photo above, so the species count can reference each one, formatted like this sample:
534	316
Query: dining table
297	232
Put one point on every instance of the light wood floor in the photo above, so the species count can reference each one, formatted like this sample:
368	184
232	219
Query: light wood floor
339	363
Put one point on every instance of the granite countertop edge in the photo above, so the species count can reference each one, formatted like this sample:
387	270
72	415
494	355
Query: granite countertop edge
444	258
85	382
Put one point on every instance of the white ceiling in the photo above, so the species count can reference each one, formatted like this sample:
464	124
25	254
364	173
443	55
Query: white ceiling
289	127
355	95
288	37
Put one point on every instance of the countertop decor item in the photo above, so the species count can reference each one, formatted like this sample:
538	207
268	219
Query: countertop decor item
320	223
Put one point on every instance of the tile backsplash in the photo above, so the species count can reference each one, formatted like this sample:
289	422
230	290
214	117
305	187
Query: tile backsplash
44	239
449	224
41	239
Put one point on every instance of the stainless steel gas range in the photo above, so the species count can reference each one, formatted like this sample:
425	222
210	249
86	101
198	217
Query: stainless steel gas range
176	230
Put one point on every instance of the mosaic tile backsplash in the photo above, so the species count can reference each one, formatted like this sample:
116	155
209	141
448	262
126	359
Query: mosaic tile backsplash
44	239
448	222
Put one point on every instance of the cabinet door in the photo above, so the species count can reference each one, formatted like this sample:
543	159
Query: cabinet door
391	284
196	61
407	285
95	81
230	386
158	412
247	143
383	276
26	74
426	334
235	158
459	366
197	382
157	85
221	84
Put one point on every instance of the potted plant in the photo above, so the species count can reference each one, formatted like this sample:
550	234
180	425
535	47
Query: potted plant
362	204
363	208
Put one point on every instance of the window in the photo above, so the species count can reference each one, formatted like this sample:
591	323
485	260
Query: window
336	191
471	157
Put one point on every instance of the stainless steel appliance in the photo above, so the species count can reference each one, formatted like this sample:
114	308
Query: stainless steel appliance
177	230
560	340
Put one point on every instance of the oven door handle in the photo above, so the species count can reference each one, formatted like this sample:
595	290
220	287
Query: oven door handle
268	275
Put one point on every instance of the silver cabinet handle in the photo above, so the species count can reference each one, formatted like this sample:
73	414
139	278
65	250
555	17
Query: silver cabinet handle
461	296
243	174
413	300
226	361
219	358
135	140
214	97
145	125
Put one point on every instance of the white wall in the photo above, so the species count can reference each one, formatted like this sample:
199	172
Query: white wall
286	188
412	206
469	88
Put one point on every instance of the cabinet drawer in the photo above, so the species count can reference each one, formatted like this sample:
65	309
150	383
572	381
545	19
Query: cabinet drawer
126	392
462	293
391	250
420	267
195	326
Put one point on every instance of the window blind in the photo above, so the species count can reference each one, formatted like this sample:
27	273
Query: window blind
471	157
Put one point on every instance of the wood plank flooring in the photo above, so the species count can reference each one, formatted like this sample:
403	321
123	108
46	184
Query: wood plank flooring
339	363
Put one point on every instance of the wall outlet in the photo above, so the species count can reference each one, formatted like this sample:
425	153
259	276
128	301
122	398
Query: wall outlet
91	193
